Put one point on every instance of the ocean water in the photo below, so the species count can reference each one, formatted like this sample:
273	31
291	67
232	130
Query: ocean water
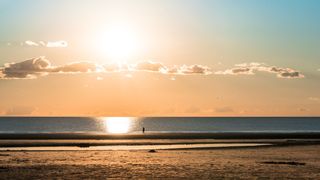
132	125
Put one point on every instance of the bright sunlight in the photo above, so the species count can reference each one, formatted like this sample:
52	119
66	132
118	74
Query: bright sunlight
117	42
117	125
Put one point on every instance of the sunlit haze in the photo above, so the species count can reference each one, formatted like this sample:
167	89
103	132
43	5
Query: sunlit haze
118	42
159	58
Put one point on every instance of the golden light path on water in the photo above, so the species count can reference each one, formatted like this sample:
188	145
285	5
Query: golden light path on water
117	125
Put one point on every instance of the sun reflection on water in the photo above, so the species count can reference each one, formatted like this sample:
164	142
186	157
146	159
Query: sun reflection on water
117	125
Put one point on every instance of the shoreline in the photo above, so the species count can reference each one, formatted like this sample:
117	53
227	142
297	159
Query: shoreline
107	144
170	135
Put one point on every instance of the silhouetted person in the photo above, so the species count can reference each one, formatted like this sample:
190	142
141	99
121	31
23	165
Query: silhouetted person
143	129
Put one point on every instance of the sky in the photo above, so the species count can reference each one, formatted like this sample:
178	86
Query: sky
159	58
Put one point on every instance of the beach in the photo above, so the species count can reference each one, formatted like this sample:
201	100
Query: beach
169	148
265	162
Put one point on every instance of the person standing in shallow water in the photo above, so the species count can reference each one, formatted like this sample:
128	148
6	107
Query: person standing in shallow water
143	129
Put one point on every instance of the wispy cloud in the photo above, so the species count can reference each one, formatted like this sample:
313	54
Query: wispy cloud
48	44
55	44
31	43
251	68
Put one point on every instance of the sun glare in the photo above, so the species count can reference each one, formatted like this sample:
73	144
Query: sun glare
117	42
117	125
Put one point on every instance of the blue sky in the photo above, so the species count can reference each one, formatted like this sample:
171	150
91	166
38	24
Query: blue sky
273	30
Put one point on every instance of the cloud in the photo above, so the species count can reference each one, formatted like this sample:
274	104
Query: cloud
76	67
26	69
48	44
40	66
236	71
195	69
150	66
285	72
31	43
251	68
55	44
290	74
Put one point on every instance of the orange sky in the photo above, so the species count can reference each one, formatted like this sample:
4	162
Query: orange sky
159	58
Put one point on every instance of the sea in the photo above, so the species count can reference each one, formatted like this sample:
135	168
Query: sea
133	125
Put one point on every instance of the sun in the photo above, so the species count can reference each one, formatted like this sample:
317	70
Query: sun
118	42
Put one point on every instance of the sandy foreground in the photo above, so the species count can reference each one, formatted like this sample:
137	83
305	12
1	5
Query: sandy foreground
293	162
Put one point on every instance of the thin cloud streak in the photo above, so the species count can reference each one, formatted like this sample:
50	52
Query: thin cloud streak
31	43
48	44
57	44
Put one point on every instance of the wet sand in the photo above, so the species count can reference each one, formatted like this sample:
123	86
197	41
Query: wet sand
134	147
271	162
